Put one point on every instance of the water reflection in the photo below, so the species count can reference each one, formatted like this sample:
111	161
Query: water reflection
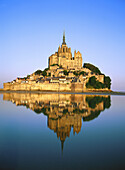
64	111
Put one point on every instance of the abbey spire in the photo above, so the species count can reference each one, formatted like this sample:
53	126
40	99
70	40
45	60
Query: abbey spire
63	57
64	38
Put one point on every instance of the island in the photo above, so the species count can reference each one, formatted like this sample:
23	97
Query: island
65	73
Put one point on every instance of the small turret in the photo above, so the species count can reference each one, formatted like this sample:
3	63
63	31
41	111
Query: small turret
59	49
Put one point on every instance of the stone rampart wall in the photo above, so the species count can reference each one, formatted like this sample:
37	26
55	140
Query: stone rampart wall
37	86
58	87
77	87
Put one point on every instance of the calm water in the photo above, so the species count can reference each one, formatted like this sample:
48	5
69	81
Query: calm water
62	131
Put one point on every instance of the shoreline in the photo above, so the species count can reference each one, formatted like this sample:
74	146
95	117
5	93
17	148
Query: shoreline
57	92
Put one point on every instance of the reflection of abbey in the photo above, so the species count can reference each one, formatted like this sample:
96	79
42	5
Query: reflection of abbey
64	111
64	57
64	73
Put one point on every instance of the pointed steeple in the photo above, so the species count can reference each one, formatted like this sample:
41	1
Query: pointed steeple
64	38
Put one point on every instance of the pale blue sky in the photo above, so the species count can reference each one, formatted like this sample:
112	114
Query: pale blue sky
31	30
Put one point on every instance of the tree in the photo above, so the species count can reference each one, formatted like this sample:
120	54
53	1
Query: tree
49	74
38	72
44	73
92	80
94	83
75	73
46	69
93	68
107	102
83	73
54	65
107	82
28	76
60	66
65	72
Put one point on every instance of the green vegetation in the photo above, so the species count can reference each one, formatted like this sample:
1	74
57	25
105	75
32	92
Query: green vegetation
28	76
94	83
77	73
65	72
93	68
107	102
54	65
65	111
107	82
95	100
46	69
38	111
92	116
44	72
78	111
82	73
60	66
49	74
38	72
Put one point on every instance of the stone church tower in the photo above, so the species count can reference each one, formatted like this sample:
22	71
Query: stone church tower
64	57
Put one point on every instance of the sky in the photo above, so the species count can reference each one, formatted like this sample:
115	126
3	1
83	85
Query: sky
32	30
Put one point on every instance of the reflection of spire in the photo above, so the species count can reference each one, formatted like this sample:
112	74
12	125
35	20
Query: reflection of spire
62	145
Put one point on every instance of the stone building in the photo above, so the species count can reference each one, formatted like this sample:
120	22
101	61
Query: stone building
64	57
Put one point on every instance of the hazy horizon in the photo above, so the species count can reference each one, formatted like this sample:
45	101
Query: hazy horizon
32	30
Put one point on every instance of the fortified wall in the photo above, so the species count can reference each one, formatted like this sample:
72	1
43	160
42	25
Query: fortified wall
74	87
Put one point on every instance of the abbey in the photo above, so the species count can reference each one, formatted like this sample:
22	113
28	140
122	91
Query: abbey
64	73
64	57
